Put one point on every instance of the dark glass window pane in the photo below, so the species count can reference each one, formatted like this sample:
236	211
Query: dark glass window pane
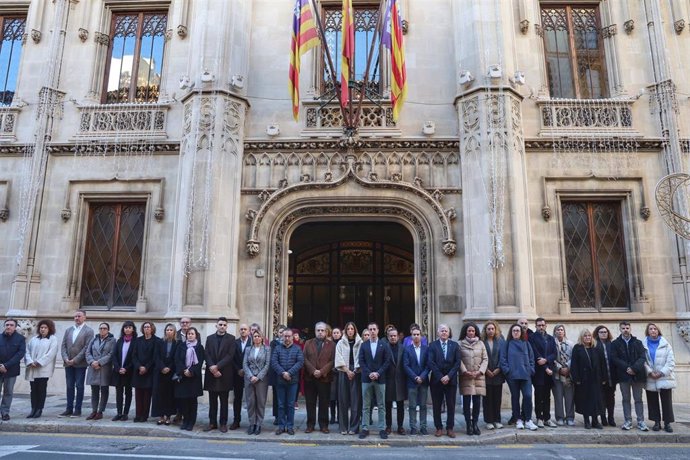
610	256
578	256
11	33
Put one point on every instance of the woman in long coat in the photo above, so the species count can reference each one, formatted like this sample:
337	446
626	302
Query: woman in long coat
256	364
660	377
473	364
586	374
164	405
604	339
494	343
189	357
39	358
349	379
122	370
144	364
99	356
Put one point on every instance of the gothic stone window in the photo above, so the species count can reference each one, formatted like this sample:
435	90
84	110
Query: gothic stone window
595	255
113	255
365	18
135	57
11	34
574	51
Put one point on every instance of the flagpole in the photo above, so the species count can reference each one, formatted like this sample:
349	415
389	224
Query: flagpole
329	60
365	82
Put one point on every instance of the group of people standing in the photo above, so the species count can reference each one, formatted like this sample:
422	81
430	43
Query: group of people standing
350	373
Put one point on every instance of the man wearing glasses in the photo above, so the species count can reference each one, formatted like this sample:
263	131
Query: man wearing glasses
73	351
185	324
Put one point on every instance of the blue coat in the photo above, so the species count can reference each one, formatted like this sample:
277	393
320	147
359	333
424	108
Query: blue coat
543	347
12	350
517	360
288	360
439	367
414	369
378	363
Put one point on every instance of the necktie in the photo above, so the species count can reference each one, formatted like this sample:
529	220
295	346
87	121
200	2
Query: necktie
319	343
444	347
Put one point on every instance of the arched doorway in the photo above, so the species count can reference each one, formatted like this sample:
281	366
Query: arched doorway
351	271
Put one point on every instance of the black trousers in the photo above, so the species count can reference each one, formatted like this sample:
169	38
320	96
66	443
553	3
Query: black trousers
492	403
471	404
314	390
213	397
439	393
237	397
188	409
123	392
608	396
400	413
542	401
142	398
39	388
666	405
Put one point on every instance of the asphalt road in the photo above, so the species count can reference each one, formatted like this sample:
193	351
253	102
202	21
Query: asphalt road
33	446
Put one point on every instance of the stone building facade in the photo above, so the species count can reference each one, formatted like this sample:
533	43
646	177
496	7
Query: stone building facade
519	180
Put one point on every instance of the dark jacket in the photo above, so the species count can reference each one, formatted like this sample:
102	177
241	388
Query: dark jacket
272	379
116	378
543	346
188	387
439	367
495	360
378	363
517	360
630	355
323	361
220	351
164	388
165	359
287	359
585	372
608	375
144	355
238	383
12	349
396	380
414	369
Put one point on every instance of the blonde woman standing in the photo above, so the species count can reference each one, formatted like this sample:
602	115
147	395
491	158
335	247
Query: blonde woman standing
660	377
256	364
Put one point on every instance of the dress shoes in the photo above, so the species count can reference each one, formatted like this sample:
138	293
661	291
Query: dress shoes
290	431
76	413
124	418
413	431
401	431
91	416
235	425
117	417
388	430
211	427
325	430
67	413
451	433
423	431
656	427
309	429
251	429
667	428
597	425
363	434
383	434
223	428
31	415
257	431
38	413
98	416
280	431
439	433
5	417
612	422
475	429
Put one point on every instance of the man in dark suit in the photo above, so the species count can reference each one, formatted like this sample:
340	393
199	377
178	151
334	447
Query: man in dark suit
545	351
374	359
396	383
319	356
241	343
444	362
415	359
220	373
73	351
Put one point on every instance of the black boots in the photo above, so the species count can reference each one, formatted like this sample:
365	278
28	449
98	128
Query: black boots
475	428
472	428
657	426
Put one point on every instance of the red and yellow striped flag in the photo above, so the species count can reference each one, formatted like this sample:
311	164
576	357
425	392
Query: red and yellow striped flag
304	38
347	51
392	38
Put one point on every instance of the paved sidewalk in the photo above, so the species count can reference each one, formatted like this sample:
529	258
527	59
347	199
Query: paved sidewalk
51	423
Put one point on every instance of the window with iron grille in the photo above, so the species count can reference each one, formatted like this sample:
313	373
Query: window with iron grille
365	18
574	50
595	255
11	37
113	255
135	57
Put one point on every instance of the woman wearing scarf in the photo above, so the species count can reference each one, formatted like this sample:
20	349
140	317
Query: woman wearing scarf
189	358
122	370
164	405
563	390
473	364
586	373
660	377
349	380
99	356
40	364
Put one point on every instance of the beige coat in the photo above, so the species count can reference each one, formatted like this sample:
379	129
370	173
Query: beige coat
43	352
473	357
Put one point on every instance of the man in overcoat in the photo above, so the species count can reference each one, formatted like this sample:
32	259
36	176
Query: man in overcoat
12	349
220	374
319	356
396	383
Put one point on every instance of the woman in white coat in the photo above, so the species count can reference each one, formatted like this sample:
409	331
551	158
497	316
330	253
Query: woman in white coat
40	364
660	377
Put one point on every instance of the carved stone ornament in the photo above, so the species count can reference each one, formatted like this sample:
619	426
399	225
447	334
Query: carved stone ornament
66	214
629	26
418	182
373	177
159	214
181	31
305	178
253	248
645	212
679	25
36	35
609	31
328	176
538	30
451	213
683	328
546	212
168	35
283	183
101	38
83	34
524	26
26	327
250	215
4	214
438	195
264	195
396	177
449	247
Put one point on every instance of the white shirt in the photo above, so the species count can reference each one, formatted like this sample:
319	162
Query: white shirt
256	351
373	347
76	331
446	348
244	344
418	352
